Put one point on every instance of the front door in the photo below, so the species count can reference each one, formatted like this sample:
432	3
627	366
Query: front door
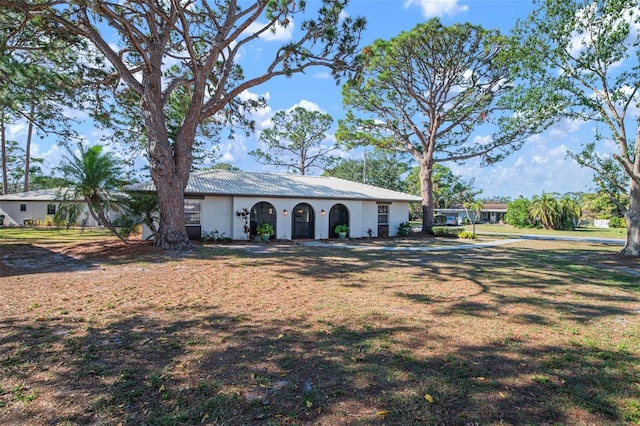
262	212
303	222
338	215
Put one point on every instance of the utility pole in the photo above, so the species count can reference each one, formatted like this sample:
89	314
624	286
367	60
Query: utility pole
364	168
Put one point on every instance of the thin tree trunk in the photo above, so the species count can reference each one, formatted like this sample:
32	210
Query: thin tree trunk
632	216
426	191
27	155
3	138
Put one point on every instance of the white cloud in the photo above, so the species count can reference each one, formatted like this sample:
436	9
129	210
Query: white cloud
323	75
482	140
279	32
529	172
433	8
308	105
14	131
565	127
233	151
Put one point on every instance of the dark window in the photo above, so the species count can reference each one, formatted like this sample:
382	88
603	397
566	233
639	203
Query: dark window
51	209
192	211
383	220
383	215
23	207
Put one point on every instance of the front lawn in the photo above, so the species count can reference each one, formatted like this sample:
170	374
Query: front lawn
535	332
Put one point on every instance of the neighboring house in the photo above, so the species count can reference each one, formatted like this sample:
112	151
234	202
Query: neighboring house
21	208
490	213
298	207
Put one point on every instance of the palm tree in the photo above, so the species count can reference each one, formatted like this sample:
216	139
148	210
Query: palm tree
94	177
570	213
546	210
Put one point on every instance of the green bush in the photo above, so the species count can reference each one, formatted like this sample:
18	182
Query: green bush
466	235
404	229
617	222
446	231
439	220
518	213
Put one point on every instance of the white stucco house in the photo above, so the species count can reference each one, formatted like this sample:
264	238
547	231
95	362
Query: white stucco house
21	208
298	207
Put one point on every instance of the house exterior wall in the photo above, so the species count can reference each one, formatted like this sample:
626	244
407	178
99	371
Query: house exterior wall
35	210
219	213
398	213
284	222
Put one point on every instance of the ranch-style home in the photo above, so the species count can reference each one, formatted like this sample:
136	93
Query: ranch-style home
490	213
298	207
24	207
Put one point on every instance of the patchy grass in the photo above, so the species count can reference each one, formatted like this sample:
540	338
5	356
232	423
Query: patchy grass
535	332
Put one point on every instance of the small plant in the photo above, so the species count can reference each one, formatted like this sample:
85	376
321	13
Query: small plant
466	235
404	229
265	229
214	235
245	215
342	228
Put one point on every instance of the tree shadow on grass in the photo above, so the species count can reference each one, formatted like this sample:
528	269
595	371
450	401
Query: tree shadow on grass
216	369
25	259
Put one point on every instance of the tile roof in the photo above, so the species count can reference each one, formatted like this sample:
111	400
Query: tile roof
224	182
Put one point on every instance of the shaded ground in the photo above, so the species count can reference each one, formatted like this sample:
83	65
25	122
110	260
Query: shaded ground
535	332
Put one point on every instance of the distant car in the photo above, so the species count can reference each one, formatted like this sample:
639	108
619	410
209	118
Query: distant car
451	221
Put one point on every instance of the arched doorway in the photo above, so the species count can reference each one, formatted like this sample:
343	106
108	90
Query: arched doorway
262	212
303	222
338	215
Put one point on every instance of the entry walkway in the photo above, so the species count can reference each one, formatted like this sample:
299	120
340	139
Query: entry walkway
411	248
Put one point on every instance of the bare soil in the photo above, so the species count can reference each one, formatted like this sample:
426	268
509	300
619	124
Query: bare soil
104	333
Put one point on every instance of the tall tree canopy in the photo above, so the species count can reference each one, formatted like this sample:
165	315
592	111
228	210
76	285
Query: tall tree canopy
427	91
583	63
381	168
295	141
38	78
187	52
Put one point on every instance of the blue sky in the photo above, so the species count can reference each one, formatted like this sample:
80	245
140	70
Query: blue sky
541	165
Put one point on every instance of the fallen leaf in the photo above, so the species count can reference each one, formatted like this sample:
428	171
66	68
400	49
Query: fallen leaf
309	404
428	398
280	336
482	379
383	412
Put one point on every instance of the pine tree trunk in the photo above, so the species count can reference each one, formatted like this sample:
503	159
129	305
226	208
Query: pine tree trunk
170	165
426	191
632	216
27	154
3	143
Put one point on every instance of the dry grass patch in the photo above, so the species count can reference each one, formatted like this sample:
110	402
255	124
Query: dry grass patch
529	333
